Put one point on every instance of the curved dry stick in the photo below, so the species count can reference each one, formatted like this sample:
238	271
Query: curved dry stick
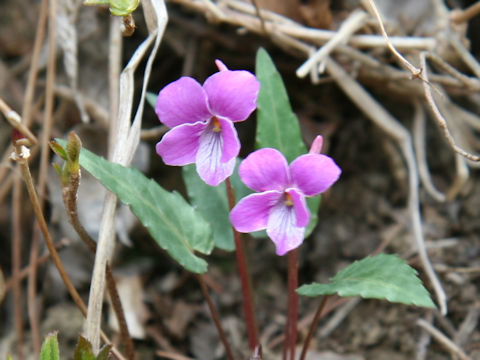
419	145
460	16
442	339
414	70
441	121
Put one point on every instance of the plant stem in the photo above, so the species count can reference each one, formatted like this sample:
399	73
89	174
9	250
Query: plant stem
292	306
313	326
215	317
22	159
245	278
16	264
69	195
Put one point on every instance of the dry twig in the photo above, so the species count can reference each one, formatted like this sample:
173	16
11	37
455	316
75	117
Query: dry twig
441	121
443	340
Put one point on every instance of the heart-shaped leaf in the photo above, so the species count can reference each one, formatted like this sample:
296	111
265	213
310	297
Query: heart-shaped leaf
381	277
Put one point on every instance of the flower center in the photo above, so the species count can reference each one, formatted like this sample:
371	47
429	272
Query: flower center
288	199
217	127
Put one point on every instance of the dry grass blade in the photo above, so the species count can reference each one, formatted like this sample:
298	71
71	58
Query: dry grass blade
126	141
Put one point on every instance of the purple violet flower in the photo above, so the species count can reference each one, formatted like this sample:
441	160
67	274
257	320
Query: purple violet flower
280	206
202	117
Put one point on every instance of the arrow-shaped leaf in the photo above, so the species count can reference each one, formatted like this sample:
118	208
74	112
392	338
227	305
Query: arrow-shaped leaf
175	225
277	124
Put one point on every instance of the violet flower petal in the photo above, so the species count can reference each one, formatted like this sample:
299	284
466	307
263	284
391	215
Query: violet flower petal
210	166
182	101
232	94
231	144
300	206
283	230
265	169
251	212
179	145
314	173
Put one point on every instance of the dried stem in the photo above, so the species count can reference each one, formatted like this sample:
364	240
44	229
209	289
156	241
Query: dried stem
419	144
27	116
415	71
245	278
25	271
441	121
313	327
118	308
442	339
215	316
21	156
460	16
16	264
355	21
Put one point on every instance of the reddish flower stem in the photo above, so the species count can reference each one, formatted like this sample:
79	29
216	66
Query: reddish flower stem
292	306
313	327
248	304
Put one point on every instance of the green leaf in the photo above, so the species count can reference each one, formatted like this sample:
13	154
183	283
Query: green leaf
49	349
83	351
277	125
172	222
212	202
151	99
313	204
381	277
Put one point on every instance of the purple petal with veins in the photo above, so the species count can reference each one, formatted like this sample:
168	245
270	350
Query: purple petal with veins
251	213
179	145
210	166
182	101
231	144
283	230
232	94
